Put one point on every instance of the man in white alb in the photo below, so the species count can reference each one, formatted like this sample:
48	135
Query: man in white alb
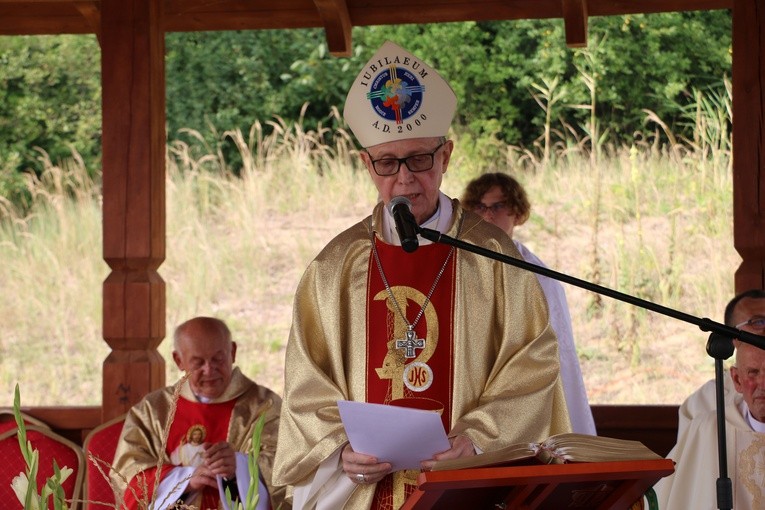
693	485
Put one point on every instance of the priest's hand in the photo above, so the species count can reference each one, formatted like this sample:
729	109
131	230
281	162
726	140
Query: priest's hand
462	446
363	469
220	458
202	477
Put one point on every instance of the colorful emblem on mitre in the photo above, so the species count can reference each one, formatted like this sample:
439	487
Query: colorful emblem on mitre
397	96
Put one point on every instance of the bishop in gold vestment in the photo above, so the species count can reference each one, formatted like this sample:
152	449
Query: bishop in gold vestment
505	386
385	316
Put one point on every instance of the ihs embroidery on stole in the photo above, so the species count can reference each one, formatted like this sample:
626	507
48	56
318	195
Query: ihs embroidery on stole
412	372
405	368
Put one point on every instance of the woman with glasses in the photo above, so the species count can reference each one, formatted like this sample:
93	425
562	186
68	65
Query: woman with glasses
500	199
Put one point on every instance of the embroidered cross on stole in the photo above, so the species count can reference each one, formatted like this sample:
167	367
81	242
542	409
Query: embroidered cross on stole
409	367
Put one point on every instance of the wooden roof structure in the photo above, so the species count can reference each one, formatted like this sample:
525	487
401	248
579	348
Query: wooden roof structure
132	34
336	17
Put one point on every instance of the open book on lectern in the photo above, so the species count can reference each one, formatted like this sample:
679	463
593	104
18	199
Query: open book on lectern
558	449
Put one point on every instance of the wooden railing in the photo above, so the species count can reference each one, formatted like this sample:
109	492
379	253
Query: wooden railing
653	425
72	422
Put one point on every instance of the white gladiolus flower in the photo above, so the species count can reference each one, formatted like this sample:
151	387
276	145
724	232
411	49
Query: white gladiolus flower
65	473
20	486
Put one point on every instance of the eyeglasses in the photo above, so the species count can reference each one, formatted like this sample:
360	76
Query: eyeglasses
496	207
757	323
415	163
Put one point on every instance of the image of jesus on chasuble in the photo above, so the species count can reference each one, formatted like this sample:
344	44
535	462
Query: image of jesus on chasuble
191	450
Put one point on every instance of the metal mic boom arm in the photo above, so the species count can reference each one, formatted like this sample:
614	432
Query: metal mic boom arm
705	324
719	345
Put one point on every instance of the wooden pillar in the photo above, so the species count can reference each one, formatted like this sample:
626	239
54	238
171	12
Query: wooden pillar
749	142
132	66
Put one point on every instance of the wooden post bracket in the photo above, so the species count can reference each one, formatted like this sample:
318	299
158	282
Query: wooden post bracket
337	26
91	11
575	22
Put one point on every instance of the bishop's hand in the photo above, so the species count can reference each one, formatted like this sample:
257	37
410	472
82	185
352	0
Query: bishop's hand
363	469
462	446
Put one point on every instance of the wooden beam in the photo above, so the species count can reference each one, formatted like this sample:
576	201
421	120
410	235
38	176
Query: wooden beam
575	22
653	425
19	17
72	422
196	15
619	7
185	15
749	142
91	11
133	94
41	18
337	26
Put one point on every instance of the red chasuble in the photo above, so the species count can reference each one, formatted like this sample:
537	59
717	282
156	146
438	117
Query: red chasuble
410	368
194	423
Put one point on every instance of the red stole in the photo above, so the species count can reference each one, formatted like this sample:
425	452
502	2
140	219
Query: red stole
425	378
193	423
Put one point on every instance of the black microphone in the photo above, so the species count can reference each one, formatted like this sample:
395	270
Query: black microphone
406	225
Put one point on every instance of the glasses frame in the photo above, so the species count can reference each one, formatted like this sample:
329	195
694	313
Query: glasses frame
496	207
404	161
750	321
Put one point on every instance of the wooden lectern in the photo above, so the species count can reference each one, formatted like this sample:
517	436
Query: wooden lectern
587	485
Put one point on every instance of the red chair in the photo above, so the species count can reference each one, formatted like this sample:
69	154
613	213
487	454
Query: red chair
99	446
50	446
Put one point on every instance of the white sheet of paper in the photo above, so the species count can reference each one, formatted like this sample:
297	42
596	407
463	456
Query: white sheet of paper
399	435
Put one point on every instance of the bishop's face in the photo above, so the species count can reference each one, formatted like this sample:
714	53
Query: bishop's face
421	188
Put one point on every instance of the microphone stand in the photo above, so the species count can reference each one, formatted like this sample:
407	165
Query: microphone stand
719	345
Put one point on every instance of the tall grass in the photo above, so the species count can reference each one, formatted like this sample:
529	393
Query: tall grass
237	246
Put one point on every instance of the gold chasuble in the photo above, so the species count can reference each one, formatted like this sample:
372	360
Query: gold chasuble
409	340
143	457
480	352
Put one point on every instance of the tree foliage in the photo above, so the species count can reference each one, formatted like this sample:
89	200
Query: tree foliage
50	98
219	81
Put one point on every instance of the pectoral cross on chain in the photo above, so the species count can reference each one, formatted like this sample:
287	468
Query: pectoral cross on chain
410	344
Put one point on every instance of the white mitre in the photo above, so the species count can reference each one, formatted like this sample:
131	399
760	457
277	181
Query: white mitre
397	96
